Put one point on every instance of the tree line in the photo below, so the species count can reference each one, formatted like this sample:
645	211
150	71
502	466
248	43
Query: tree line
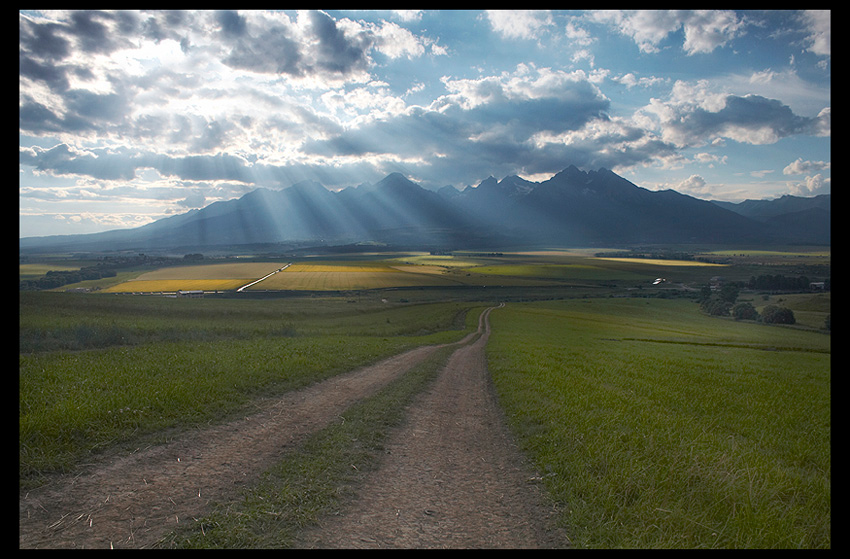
106	268
780	282
723	301
58	278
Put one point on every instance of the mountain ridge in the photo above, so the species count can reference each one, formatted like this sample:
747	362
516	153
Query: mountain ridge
572	207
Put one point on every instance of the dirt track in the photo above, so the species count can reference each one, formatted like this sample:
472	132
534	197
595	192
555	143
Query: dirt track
451	477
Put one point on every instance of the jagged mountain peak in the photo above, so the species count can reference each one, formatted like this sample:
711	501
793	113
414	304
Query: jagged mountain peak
574	207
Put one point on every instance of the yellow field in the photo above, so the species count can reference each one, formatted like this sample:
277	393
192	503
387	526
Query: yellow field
173	285
232	270
445	261
424	269
343	268
26	271
660	262
347	277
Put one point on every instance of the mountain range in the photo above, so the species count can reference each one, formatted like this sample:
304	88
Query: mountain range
572	208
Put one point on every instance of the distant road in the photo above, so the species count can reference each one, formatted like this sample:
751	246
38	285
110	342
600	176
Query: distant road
264	277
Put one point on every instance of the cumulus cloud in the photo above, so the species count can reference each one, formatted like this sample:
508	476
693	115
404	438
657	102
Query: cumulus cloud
811	186
519	24
800	167
499	119
704	30
695	116
694	184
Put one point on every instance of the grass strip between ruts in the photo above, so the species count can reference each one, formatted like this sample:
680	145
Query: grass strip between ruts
316	478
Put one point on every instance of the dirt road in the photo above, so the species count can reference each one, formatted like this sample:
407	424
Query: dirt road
452	478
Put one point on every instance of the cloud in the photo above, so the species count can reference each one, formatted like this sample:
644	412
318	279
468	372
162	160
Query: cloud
519	24
800	167
811	186
704	30
184	105
64	160
819	26
694	184
695	116
493	122
335	51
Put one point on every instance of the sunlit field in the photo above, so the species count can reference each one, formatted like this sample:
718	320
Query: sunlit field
347	277
206	277
174	285
660	262
234	270
658	427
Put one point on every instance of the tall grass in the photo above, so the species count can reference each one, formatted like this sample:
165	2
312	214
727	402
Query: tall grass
667	445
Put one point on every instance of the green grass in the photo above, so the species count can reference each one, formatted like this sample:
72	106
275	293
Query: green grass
314	481
189	363
58	321
716	440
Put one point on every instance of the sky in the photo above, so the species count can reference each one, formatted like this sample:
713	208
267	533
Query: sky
129	117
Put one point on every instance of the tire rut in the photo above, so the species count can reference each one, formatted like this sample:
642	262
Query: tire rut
133	500
451	477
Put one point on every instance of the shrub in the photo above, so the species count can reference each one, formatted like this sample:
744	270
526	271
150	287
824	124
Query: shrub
773	314
715	306
744	311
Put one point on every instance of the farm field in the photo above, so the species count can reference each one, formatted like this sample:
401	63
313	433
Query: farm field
522	268
207	277
656	426
330	276
652	424
96	371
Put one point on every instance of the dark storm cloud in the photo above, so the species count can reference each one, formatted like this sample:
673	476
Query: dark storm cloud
44	41
271	52
269	46
336	52
46	49
164	24
101	32
231	23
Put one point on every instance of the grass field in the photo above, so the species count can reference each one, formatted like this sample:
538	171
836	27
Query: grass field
174	285
654	426
657	427
98	371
